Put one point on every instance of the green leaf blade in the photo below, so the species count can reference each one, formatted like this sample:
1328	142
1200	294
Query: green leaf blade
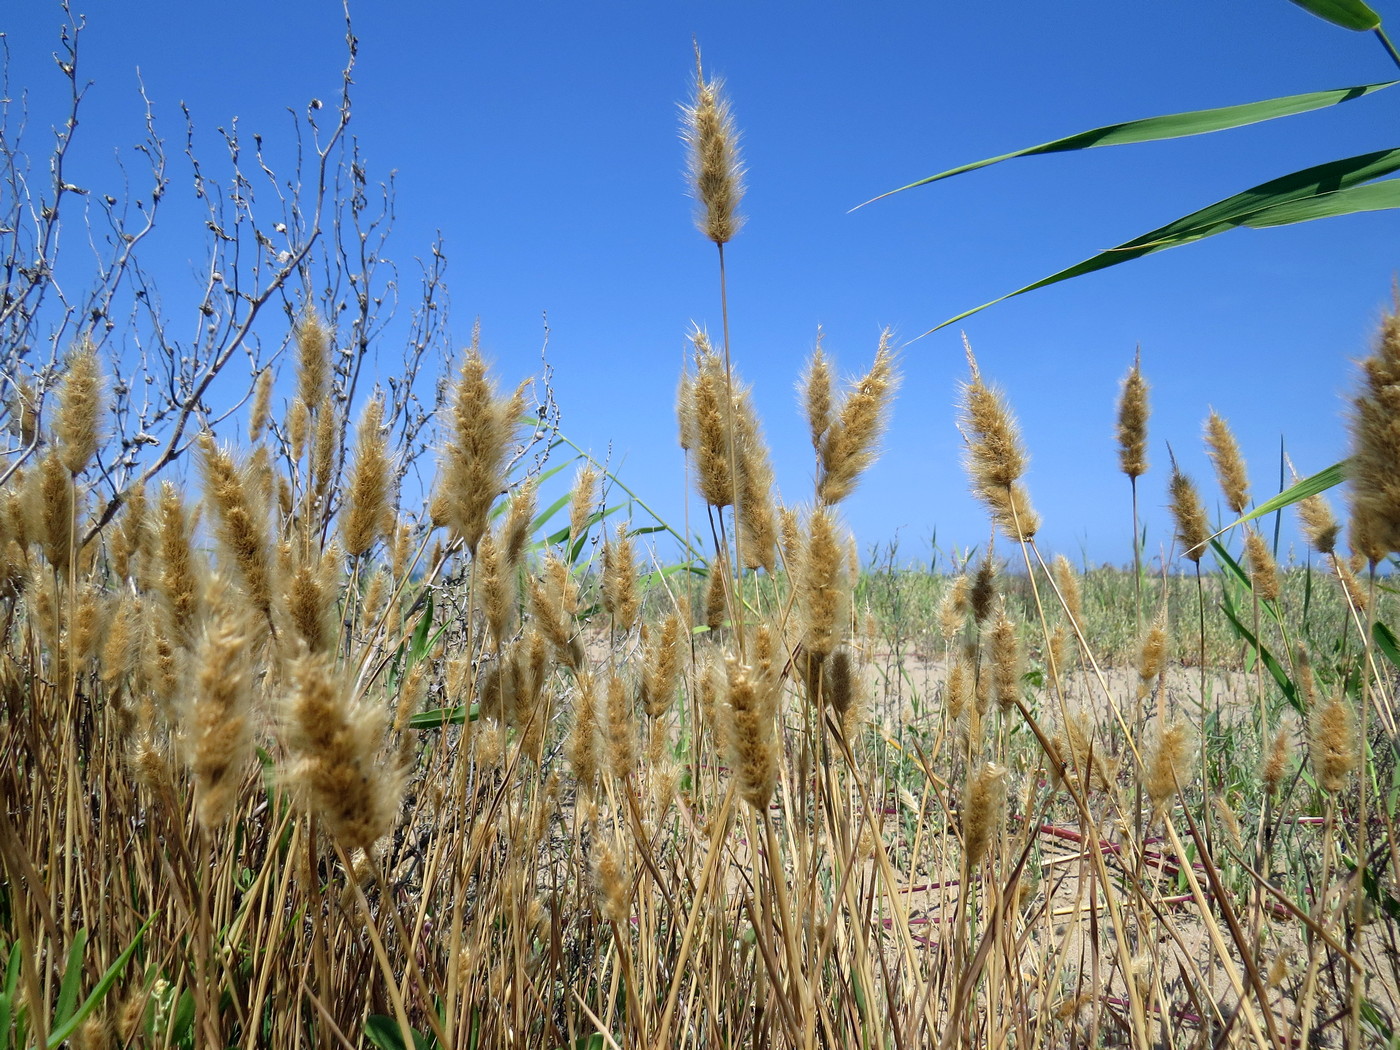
1168	126
1312	193
1349	14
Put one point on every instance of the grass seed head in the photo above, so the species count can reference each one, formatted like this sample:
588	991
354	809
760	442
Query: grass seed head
1263	569
1224	452
851	440
1375	446
995	456
1132	421
1169	761
620	597
823	587
816	395
77	425
1332	739
369	514
985	811
716	170
1192	528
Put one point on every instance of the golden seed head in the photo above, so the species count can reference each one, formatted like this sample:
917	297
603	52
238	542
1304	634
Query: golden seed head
752	730
335	739
582	504
1320	527
1067	583
613	885
716	170
1375	447
80	406
369	513
1008	660
313	359
981	595
1192	528
850	443
180	572
995	456
1152	652
1169	762
823	588
1263	569
622	728
1224	452
1276	763
1332	738
519	517
816	394
716	596
261	409
483	427
756	511
620	597
664	660
707	430
953	608
54	509
1132	421
241	524
584	737
985	811
219	721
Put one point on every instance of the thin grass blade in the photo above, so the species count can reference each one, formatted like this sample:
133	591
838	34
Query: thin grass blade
1320	183
1169	126
1349	14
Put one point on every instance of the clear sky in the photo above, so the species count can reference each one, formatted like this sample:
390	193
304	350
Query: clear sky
542	140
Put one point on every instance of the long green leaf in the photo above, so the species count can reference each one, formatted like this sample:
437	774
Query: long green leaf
72	976
1373	196
1171	126
1349	14
1315	183
1297	492
99	992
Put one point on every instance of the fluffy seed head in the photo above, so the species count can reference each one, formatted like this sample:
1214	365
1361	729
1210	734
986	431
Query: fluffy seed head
620	597
816	394
220	716
985	811
823	587
313	359
1319	526
1192	529
1263	569
261	409
1333	742
80	406
995	456
756	512
752	731
851	439
1008	659
1224	452
705	431
1375	445
1168	765
1132	421
369	513
716	170
1276	764
335	739
582	503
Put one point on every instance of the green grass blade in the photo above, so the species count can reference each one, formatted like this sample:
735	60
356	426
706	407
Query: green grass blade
1386	642
72	976
1323	480
1309	184
1170	126
1349	14
1373	196
100	990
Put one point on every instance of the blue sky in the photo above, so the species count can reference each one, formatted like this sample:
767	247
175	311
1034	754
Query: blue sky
542	141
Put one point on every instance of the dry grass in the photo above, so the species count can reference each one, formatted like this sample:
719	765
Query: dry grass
265	790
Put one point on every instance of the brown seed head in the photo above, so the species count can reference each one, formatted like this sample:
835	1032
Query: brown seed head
706	431
1224	452
1375	445
335	739
985	811
716	170
582	503
1333	742
850	443
1319	525
241	525
622	727
1008	660
1132	421
1168	765
816	394
756	511
369	514
1152	652
1192	529
823	589
1276	764
1263	569
752	731
995	457
220	728
80	407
